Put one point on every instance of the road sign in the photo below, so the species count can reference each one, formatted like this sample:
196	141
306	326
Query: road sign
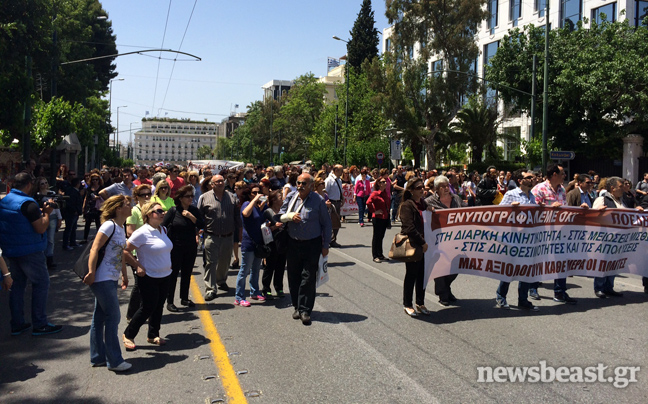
562	155
380	157
396	149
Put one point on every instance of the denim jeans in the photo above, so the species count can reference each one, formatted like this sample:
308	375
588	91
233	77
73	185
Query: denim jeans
523	291
604	283
250	265
362	203
31	268
51	231
560	286
105	322
396	198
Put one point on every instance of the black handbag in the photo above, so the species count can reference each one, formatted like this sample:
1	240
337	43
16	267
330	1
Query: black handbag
81	267
262	250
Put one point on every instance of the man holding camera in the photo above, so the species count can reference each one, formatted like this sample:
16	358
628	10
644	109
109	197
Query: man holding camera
23	240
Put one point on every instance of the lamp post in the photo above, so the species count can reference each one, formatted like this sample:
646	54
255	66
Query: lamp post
346	107
117	130
110	105
545	94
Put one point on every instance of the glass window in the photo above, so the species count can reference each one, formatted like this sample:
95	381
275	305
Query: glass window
609	10
541	7
512	142
641	12
489	51
515	11
492	20
570	13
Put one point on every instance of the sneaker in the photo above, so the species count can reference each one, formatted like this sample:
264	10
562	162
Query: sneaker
99	365
122	367
20	329
564	298
502	304
527	306
242	303
534	295
280	294
258	297
68	248
209	296
47	329
361	224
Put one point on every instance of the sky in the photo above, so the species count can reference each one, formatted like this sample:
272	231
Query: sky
242	45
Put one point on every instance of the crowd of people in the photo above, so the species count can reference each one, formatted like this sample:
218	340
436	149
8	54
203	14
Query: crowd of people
282	219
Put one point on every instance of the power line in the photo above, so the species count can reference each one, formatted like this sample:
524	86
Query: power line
157	75
180	47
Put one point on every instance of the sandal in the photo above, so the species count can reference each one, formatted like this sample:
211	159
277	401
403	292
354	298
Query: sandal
156	341
129	344
410	312
422	309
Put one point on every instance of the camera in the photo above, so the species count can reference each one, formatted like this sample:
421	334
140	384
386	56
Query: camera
263	198
59	200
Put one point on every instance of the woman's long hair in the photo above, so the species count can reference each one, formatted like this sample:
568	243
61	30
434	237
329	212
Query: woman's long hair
407	194
184	190
110	206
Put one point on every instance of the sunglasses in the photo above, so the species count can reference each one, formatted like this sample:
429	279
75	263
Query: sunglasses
158	211
528	178
188	196
144	195
254	192
43	183
419	188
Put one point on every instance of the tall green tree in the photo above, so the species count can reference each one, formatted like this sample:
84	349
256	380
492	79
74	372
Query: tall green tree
423	28
364	37
476	124
598	84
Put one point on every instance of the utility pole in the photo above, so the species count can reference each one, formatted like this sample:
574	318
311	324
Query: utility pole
545	95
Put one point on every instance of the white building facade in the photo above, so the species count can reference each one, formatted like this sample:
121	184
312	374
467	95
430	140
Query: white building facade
509	14
173	141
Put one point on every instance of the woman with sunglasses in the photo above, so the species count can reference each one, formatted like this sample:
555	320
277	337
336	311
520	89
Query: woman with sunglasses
377	203
102	279
161	195
412	226
91	205
153	265
183	221
142	195
252	218
43	195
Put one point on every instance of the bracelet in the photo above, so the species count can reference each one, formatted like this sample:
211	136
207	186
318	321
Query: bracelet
7	274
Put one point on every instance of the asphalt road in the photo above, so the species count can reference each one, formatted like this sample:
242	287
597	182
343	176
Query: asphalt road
361	347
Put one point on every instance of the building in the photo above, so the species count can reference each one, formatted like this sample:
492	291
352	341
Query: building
508	14
333	78
276	88
174	141
229	124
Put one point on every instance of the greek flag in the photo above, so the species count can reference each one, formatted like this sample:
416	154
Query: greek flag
332	63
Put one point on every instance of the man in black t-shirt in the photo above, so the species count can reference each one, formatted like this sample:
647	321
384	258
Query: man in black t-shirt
398	186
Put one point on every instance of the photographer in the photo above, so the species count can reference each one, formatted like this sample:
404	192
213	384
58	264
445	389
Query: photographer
43	195
22	240
71	211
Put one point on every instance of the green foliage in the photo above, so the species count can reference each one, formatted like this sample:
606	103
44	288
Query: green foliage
52	122
430	100
533	150
203	152
597	85
364	37
477	125
457	153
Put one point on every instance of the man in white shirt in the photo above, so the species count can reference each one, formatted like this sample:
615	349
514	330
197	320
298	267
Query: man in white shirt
333	184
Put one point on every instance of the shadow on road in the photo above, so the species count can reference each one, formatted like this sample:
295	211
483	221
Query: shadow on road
333	317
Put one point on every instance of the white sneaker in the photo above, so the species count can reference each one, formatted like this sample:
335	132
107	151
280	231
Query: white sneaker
122	367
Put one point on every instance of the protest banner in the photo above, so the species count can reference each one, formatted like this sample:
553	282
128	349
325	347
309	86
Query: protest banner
214	165
533	243
349	206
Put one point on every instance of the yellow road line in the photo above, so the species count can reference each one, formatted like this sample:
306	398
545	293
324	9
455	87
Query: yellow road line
225	370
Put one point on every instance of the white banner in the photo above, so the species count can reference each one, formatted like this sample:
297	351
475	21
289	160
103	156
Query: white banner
531	243
214	165
349	206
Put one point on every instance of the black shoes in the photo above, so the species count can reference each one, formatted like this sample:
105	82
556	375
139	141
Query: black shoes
335	244
235	265
172	308
20	329
600	294
452	298
444	303
296	315
47	329
305	318
564	298
209	296
223	287
614	293
187	303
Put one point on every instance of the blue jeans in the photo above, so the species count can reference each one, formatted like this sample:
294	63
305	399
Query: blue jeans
395	201
523	291
362	204
104	340
31	268
250	265
604	284
560	286
51	231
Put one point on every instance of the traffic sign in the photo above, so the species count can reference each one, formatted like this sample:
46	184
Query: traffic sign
396	146
380	157
562	155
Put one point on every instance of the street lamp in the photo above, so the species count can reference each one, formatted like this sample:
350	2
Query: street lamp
346	107
110	102
117	130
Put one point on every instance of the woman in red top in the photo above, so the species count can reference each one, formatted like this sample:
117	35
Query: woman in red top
361	192
377	203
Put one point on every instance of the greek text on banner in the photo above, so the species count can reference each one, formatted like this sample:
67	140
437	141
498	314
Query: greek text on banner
533	243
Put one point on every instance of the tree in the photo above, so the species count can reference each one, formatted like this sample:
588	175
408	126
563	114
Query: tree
203	152
364	37
476	124
423	28
598	86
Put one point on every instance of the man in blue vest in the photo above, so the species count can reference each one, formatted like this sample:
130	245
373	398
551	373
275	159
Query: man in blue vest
23	240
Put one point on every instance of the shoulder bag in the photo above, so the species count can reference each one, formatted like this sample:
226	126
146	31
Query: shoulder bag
81	267
402	250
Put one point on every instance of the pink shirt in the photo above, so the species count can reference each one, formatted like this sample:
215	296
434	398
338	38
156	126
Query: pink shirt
544	193
362	188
